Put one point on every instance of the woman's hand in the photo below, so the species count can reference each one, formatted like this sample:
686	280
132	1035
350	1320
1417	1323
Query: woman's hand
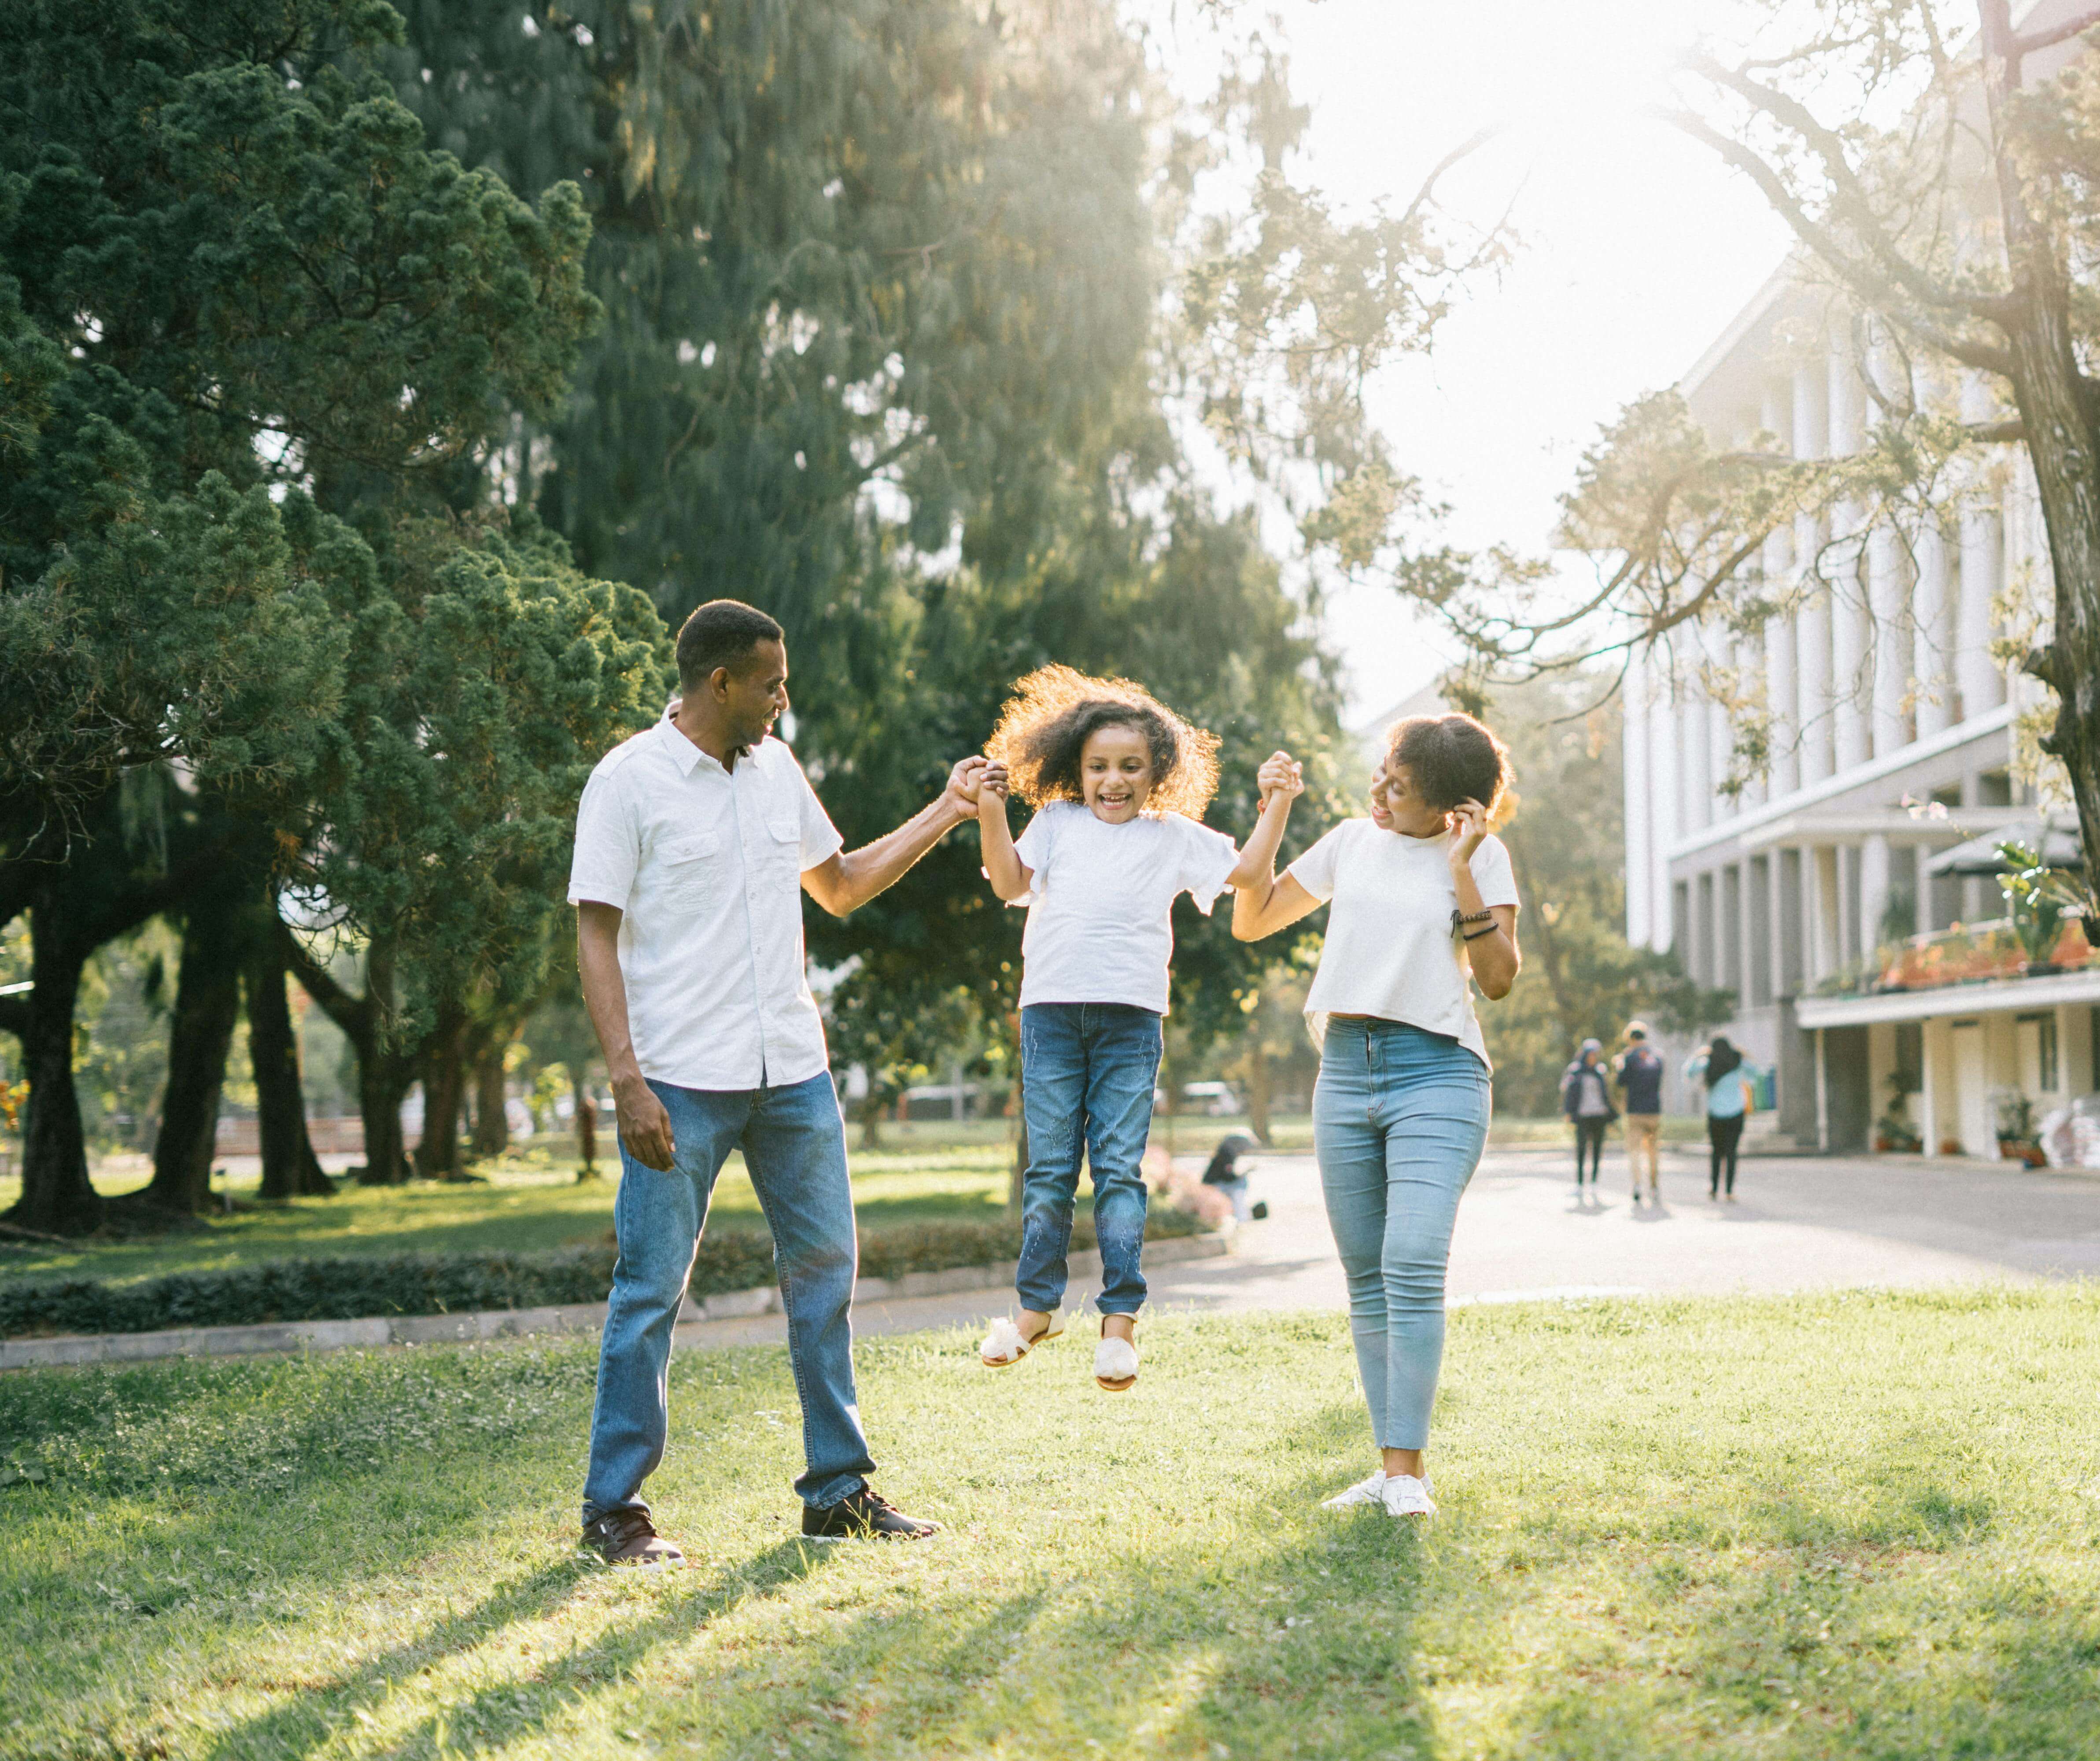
1280	774
992	784
1468	824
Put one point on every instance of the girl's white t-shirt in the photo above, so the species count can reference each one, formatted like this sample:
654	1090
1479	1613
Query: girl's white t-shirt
1389	949
1101	926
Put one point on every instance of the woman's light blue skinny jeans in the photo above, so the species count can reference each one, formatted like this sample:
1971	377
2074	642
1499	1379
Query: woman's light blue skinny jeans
1400	1116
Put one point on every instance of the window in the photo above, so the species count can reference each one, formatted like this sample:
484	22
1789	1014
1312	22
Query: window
2044	1069
1994	788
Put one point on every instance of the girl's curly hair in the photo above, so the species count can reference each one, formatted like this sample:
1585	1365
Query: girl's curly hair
1046	724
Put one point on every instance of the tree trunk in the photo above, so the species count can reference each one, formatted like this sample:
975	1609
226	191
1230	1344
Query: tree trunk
492	1127
290	1168
444	1088
871	1108
382	1086
57	1196
199	1035
586	1110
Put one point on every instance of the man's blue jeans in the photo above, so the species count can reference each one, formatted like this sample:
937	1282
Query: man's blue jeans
1087	1075
1400	1117
794	1147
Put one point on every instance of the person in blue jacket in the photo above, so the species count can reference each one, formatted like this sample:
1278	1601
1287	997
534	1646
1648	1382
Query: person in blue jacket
1586	1100
1730	1082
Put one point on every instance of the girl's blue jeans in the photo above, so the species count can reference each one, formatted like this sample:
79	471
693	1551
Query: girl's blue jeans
794	1148
1400	1116
1087	1076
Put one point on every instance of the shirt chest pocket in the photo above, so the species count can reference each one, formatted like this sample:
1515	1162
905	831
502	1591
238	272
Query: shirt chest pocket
780	846
690	868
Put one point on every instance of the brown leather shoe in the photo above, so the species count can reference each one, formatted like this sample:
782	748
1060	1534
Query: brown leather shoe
628	1538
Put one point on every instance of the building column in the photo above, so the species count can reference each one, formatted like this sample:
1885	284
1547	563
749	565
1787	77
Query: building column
1873	893
1932	633
1887	591
1812	639
1781	691
1850	685
1639	801
1662	784
1826	904
1981	683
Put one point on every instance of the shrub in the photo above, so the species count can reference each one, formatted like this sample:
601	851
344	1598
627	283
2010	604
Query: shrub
348	1288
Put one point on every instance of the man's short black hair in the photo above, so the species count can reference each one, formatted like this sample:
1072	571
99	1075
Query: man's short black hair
721	633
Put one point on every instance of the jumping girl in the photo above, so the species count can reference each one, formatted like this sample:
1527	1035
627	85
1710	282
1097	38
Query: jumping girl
1119	783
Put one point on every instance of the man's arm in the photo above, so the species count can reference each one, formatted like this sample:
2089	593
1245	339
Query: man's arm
644	1125
850	879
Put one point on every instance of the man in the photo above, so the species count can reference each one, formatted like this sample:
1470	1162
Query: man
1638	1069
692	840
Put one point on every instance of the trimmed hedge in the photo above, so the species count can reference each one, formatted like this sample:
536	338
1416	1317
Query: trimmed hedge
350	1288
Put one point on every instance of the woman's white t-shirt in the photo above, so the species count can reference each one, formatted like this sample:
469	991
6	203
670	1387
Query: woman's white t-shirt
1101	926
1389	949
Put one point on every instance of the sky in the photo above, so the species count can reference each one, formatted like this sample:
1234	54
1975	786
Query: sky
1640	246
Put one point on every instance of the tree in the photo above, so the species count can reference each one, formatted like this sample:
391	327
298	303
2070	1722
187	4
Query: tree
250	324
1943	192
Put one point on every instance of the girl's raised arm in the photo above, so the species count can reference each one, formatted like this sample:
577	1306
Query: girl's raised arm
1011	878
1261	904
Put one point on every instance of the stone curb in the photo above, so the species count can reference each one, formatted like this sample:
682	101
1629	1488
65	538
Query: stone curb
513	1323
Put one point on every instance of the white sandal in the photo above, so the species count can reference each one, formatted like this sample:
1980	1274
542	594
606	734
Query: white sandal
1006	1344
1116	1363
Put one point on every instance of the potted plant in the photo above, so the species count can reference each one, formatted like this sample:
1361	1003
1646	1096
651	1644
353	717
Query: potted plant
1895	1132
2016	1130
2037	899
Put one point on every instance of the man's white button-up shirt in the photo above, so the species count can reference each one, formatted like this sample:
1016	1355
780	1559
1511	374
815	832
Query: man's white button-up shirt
705	866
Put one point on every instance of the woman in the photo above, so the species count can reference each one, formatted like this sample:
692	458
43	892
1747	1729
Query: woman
1423	901
1730	1092
1588	1104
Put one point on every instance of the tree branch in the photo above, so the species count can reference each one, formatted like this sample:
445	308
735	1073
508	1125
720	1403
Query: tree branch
2051	35
353	1015
1876	289
2011	429
1471	144
1852	198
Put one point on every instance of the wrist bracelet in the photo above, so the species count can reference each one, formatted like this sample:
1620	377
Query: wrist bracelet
1478	934
1460	919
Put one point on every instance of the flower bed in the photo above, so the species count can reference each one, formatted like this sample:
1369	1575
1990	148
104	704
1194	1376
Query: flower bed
1971	957
350	1288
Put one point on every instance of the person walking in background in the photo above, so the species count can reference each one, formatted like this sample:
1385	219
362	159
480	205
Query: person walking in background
1586	1101
1730	1082
1226	1173
1638	1069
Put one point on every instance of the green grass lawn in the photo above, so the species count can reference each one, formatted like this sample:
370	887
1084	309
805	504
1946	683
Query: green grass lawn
1851	1526
526	1203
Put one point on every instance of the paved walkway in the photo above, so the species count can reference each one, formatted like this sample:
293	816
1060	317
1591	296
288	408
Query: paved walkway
1799	1223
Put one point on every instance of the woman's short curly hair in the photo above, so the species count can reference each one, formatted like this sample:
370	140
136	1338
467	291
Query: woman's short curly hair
1451	759
1046	724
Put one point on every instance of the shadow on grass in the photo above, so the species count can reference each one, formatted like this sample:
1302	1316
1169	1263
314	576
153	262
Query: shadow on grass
492	1717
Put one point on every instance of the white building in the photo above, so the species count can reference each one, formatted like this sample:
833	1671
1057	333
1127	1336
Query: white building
1891	742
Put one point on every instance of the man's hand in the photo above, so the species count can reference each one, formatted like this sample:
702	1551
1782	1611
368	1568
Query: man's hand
960	796
1280	774
645	1127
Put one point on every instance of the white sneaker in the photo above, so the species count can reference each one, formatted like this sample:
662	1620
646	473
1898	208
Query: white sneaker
1403	1495
1367	1491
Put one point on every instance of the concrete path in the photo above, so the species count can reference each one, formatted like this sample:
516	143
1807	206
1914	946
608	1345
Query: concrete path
1799	1223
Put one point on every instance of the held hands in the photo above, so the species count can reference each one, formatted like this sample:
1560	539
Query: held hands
964	783
1468	824
1282	775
